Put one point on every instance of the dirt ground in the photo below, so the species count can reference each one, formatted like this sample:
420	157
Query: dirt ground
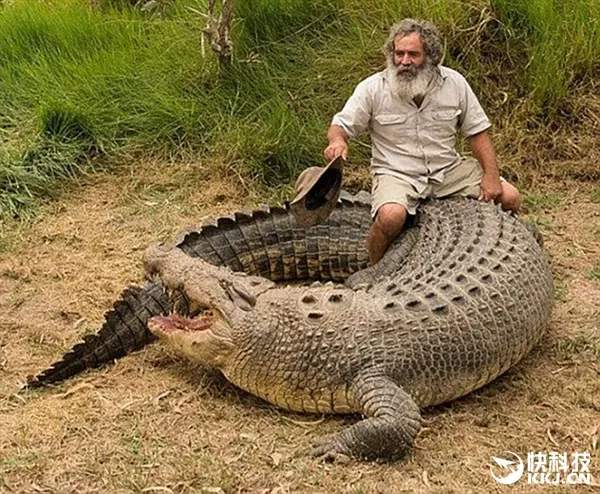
156	423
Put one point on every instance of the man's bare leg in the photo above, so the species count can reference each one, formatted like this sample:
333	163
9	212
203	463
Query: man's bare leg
510	198
387	226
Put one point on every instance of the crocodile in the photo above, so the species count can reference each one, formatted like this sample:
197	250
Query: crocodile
461	296
266	242
430	323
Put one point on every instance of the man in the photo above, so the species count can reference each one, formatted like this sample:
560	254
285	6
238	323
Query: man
413	110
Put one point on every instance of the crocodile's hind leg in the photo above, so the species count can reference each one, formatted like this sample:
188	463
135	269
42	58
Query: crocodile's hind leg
393	421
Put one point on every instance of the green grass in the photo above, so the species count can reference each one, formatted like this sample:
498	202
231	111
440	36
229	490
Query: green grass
83	87
578	344
594	273
22	460
27	176
558	41
540	222
536	202
560	291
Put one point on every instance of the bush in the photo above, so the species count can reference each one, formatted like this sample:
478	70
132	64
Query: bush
78	82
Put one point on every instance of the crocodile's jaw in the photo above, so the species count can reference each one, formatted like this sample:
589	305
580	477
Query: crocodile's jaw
206	340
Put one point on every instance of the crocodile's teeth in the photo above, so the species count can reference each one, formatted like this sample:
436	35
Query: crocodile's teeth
175	322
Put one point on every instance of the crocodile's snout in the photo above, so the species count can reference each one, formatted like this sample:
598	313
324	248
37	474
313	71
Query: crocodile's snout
206	339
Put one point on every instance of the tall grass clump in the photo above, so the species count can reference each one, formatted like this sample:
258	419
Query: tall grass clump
102	80
81	85
37	173
558	44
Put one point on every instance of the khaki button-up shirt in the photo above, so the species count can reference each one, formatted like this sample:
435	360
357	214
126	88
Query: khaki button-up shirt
414	143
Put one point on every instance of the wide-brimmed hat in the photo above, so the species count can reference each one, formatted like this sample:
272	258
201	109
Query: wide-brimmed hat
317	191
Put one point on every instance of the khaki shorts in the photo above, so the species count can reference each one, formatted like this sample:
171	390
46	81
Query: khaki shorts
462	180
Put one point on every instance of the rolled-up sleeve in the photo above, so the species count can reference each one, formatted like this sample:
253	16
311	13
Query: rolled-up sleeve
356	114
473	118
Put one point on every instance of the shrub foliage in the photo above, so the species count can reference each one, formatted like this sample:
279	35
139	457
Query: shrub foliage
86	81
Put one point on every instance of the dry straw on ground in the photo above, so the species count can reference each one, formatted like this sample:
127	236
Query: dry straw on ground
155	423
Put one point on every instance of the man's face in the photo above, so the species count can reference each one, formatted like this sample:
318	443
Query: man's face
409	55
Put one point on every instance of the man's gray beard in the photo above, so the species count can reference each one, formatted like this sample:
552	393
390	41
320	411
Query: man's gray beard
410	87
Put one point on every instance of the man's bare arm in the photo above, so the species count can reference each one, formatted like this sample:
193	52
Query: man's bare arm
483	150
338	143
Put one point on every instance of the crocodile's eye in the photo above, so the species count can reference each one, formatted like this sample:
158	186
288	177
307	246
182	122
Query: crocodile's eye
195	313
193	309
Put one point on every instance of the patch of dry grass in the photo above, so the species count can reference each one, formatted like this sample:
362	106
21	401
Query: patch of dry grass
156	423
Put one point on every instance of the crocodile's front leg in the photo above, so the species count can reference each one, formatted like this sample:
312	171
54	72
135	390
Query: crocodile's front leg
389	431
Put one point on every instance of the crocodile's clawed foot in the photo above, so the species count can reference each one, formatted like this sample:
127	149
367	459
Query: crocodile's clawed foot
331	448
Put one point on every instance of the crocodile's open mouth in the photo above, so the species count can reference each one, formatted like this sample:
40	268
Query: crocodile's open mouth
177	322
204	338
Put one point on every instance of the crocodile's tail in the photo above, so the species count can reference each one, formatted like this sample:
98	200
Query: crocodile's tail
270	243
267	242
124	330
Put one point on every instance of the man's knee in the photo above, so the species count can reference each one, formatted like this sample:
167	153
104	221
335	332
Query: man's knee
510	198
390	219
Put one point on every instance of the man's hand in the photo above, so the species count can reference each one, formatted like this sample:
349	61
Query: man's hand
491	188
338	143
483	149
338	147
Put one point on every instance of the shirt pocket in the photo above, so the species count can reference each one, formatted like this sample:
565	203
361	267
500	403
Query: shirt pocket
392	126
445	122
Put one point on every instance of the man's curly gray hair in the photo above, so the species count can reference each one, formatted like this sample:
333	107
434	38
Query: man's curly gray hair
430	37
